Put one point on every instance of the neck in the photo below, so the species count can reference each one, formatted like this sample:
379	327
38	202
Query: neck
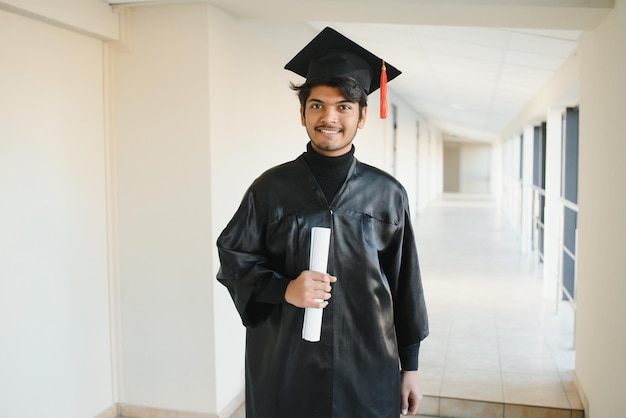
326	162
330	172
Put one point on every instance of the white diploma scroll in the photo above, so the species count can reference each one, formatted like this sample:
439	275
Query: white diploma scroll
320	245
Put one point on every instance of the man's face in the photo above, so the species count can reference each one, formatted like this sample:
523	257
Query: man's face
331	121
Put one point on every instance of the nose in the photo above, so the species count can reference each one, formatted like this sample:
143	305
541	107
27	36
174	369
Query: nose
329	115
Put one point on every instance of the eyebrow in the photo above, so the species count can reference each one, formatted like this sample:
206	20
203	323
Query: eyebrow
321	101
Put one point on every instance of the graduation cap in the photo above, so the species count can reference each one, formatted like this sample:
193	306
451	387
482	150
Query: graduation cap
330	54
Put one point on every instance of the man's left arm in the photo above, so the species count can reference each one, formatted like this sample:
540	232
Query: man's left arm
411	318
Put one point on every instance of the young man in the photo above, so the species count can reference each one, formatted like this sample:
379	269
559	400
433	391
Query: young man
365	364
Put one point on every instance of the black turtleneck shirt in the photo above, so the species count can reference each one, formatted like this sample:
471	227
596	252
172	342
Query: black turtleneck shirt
330	172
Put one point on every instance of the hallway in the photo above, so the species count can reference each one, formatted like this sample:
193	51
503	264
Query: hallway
497	347
117	183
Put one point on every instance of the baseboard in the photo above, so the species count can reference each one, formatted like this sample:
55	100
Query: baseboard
136	411
581	393
122	410
110	412
233	405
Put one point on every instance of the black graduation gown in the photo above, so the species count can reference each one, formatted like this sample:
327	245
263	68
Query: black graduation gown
376	316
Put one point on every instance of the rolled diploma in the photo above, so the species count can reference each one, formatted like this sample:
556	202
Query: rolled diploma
320	245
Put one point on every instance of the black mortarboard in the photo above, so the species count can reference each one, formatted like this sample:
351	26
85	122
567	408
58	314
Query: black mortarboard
330	54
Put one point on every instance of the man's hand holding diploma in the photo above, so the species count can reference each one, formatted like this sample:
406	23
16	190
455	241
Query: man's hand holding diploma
311	289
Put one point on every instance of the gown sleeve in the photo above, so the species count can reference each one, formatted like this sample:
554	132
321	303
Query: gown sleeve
245	266
411	318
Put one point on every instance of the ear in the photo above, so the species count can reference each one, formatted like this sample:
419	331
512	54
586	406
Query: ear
302	121
362	120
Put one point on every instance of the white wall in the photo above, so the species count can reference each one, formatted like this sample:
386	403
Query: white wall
94	18
497	174
527	139
600	332
469	167
164	209
55	355
553	207
475	170
513	184
411	169
429	164
452	167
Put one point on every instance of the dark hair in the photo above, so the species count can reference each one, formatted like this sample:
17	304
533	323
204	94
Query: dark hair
352	90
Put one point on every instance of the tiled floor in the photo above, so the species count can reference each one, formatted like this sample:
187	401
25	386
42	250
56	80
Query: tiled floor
497	346
496	338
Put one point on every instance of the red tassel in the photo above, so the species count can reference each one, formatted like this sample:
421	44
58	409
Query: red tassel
383	91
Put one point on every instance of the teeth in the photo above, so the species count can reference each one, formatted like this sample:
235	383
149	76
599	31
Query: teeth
326	131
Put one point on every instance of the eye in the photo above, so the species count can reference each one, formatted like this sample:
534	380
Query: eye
316	106
345	107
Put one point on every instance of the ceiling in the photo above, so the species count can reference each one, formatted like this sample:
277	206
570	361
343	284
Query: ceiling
470	82
470	66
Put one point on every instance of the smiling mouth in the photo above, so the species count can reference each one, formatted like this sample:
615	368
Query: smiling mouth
328	131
